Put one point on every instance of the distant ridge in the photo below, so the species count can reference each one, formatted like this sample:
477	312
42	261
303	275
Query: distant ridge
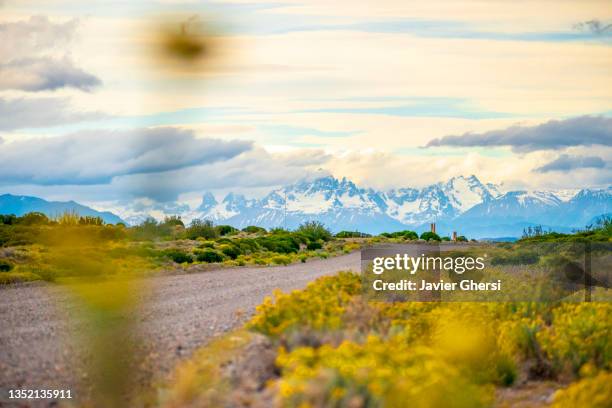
20	205
462	204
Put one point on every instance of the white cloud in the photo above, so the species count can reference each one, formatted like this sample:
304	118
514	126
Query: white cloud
18	113
35	56
96	157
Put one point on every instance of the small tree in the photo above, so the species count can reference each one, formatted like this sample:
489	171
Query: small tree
201	229
173	221
315	231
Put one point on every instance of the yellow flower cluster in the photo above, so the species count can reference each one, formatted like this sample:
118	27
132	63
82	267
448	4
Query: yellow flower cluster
320	306
370	354
376	373
593	392
580	333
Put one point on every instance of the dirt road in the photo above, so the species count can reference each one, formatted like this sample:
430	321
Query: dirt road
179	313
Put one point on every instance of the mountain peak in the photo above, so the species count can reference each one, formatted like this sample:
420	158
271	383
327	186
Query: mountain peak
208	202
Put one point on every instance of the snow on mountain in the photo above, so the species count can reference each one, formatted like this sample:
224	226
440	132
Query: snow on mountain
463	204
464	193
341	204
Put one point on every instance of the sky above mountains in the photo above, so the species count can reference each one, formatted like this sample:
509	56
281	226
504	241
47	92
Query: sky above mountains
388	93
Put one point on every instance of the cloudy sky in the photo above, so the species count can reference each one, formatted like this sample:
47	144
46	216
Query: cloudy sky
388	93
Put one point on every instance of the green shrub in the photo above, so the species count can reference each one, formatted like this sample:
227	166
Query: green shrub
430	236
352	234
226	230
33	218
247	245
314	245
207	244
8	219
230	250
209	256
281	260
314	231
252	229
406	234
178	256
5	265
284	244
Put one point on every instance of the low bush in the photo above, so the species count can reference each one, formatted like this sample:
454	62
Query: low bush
226	230
209	256
430	236
352	234
281	260
319	306
593	392
314	245
375	373
252	229
579	334
5	265
406	234
284	244
206	244
178	256
230	250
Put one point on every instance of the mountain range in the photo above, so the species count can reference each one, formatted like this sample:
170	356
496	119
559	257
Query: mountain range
462	204
20	205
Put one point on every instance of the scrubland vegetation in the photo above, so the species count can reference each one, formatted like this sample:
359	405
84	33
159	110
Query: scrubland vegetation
334	347
36	247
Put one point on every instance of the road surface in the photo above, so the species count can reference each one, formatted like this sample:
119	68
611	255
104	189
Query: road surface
178	314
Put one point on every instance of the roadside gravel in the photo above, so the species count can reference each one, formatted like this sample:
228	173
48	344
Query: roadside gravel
178	313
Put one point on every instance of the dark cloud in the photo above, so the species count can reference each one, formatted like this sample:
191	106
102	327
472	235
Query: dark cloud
567	162
252	169
19	113
96	157
34	56
555	134
594	26
44	74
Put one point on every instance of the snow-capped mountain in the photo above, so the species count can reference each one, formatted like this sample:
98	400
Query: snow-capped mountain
462	203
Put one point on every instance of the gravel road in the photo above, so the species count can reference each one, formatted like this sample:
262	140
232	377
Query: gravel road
178	314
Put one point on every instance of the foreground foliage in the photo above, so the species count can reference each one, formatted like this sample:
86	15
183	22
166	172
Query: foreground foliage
336	349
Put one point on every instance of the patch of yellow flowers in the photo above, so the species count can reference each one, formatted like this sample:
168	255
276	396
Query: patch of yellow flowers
371	354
